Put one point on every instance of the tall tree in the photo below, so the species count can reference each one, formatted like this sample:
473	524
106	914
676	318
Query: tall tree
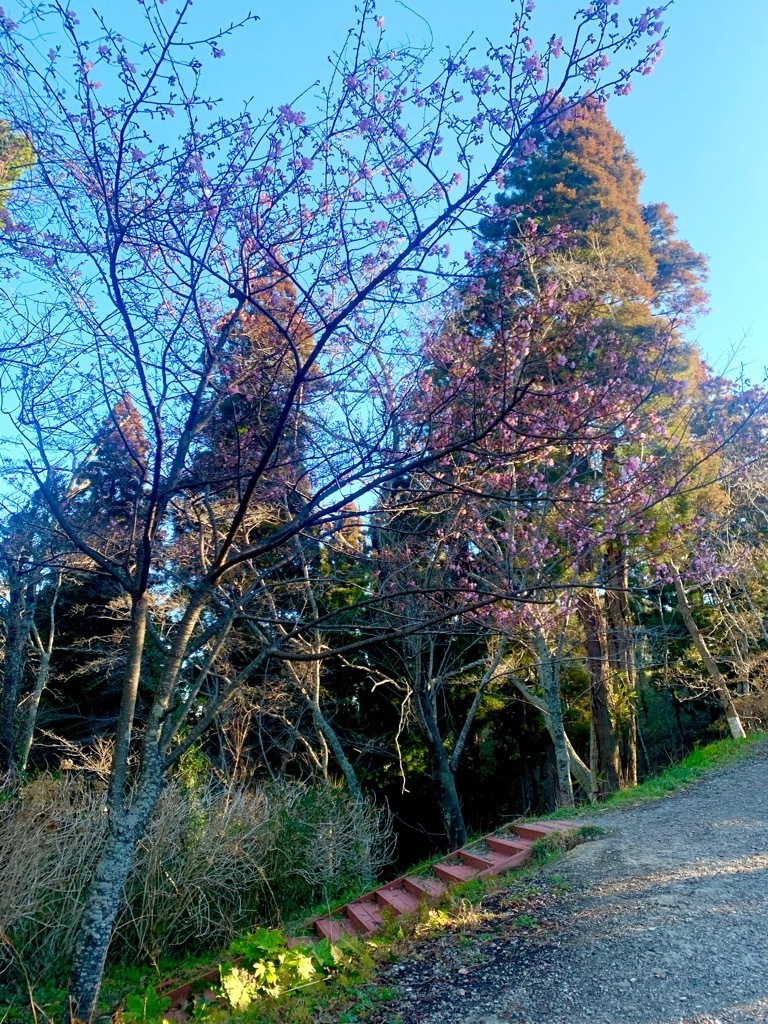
142	252
641	284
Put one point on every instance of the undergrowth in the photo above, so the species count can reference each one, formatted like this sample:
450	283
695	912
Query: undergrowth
265	982
214	859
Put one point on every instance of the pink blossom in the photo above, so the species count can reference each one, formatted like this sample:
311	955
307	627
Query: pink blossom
6	23
288	116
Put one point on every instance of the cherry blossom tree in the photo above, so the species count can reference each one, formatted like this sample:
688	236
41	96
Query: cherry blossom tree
151	227
500	529
544	509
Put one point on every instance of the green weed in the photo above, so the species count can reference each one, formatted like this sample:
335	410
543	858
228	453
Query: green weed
145	1007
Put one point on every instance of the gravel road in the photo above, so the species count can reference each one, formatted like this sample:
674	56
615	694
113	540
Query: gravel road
662	921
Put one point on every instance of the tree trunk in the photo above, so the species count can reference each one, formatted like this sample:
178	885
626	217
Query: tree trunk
126	826
329	734
45	651
331	738
119	772
309	688
104	899
605	762
644	749
578	770
621	653
28	732
719	684
450	806
18	623
630	745
554	719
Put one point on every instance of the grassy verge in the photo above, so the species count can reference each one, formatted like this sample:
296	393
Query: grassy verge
698	762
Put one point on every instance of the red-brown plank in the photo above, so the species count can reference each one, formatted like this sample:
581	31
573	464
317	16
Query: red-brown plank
365	916
455	872
423	886
333	929
401	901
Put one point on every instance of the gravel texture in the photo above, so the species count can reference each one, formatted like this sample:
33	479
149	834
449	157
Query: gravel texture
664	920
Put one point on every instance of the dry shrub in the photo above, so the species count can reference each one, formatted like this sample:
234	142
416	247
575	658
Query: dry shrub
214	862
51	833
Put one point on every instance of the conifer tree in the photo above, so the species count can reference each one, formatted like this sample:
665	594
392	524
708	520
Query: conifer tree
641	284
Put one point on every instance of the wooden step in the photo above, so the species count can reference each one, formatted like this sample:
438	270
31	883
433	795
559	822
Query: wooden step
532	831
509	847
542	828
476	860
365	915
180	994
507	864
334	928
404	895
424	885
300	940
490	859
398	899
455	872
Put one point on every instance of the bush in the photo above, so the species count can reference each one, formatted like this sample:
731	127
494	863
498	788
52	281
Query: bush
214	861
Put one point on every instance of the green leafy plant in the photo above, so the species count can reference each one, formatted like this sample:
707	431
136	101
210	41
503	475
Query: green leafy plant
145	1008
269	968
366	998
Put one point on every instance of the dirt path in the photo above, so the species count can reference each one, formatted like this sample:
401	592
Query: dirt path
665	921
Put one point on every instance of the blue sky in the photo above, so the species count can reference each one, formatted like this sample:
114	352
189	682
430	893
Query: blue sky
697	126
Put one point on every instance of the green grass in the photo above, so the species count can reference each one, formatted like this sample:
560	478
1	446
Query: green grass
551	847
674	778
